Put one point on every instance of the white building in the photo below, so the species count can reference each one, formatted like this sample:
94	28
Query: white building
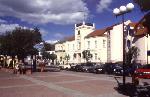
85	38
105	45
140	39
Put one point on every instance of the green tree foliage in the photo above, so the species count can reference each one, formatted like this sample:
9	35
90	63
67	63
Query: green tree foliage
67	57
46	55
49	47
145	7
53	57
131	55
20	42
87	55
144	4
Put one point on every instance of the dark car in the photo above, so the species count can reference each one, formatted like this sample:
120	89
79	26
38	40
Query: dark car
72	68
78	67
92	69
100	69
87	66
110	67
118	71
129	70
143	72
53	68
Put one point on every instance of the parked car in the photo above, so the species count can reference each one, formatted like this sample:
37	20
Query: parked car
92	69
111	67
129	70
87	66
118	71
65	66
53	68
79	67
100	69
72	68
143	72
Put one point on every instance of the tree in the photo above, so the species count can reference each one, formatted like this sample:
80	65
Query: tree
20	42
145	7
46	55
48	46
132	55
87	55
144	4
67	57
53	57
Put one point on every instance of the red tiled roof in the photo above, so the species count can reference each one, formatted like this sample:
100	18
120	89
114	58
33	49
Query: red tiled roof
99	32
132	24
145	21
96	33
141	30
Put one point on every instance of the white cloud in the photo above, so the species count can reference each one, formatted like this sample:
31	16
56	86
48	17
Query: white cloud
3	21
51	41
7	27
4	27
59	35
103	5
43	32
44	11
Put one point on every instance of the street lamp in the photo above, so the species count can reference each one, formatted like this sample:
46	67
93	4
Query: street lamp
120	12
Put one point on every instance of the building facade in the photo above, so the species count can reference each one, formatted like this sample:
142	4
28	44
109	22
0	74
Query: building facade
105	45
139	39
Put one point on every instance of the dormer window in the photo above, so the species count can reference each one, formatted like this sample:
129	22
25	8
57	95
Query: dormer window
79	32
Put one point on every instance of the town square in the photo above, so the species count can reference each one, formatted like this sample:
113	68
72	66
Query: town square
74	48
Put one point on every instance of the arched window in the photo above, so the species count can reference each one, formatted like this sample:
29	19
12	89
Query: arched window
79	32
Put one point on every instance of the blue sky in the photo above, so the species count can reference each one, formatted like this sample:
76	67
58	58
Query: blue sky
56	18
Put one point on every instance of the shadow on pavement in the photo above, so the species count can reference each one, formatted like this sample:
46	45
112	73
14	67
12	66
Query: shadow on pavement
129	89
132	90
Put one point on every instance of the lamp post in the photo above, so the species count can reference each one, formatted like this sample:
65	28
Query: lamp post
120	12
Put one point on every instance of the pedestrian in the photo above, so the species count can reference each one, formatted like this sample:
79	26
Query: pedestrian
21	67
16	68
41	65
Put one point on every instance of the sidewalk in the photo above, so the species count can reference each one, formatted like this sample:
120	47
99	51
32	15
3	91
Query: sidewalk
56	84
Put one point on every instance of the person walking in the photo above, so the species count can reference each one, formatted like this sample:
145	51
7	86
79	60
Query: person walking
16	68
21	67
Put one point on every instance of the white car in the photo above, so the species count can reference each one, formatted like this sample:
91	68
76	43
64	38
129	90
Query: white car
65	66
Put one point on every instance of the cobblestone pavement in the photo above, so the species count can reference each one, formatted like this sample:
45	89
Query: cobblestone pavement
58	84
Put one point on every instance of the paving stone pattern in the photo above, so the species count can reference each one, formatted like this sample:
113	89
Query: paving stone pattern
57	84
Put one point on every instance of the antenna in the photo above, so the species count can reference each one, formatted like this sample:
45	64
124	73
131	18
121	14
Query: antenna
84	15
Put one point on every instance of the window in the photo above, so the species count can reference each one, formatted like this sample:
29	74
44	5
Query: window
73	46
128	43
68	46
79	32
95	44
79	45
88	43
131	32
95	56
61	47
104	43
